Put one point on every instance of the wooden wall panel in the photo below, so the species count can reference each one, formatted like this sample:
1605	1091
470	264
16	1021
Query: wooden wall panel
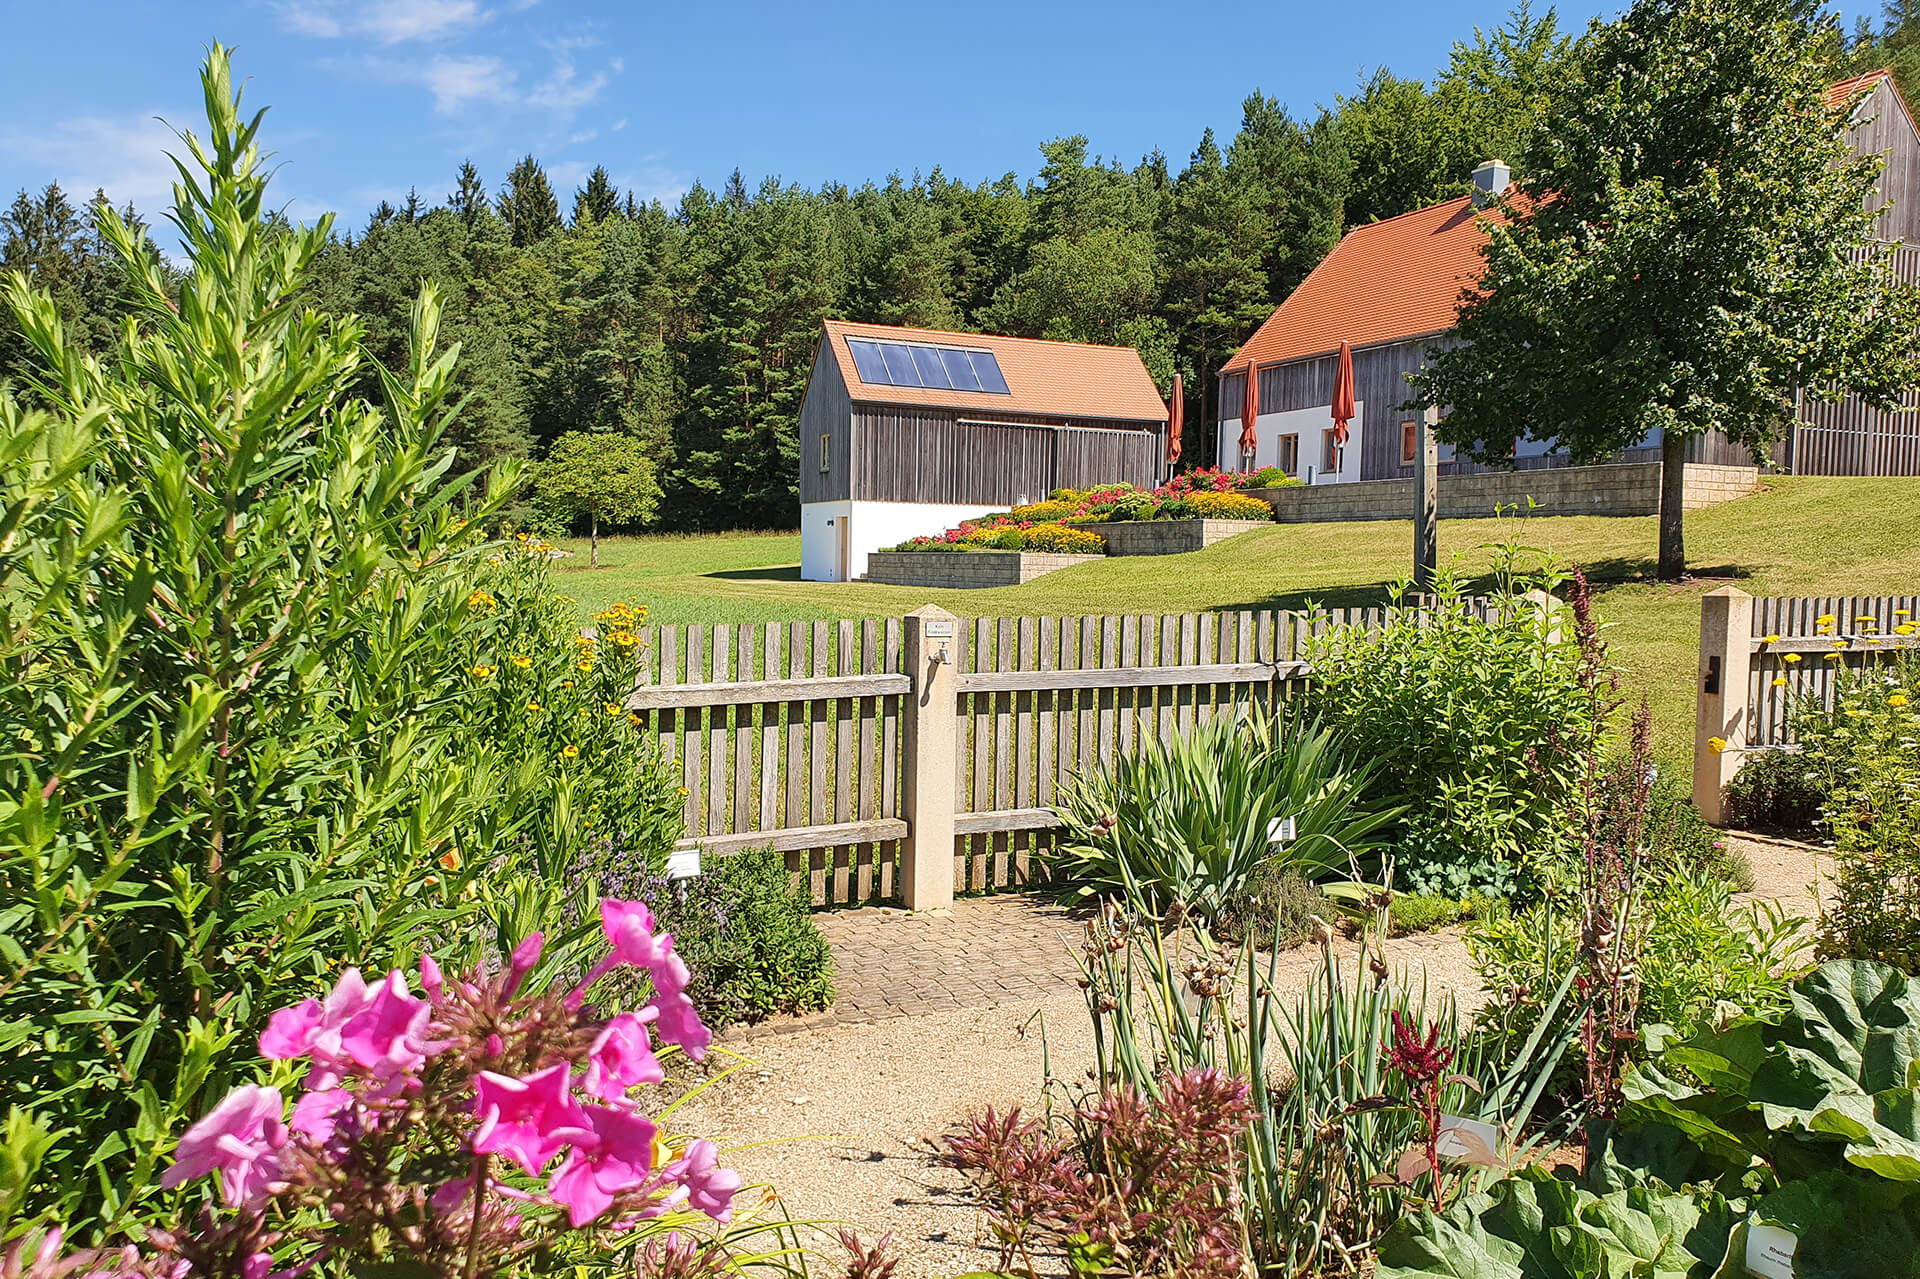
825	410
936	455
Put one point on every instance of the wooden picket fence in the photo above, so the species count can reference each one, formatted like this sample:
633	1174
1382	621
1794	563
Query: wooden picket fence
1764	660
791	734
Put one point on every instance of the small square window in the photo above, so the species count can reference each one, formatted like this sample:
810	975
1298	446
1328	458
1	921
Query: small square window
825	462
1289	460
1409	443
1330	451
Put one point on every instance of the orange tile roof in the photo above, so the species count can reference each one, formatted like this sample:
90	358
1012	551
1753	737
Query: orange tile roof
1840	92
1054	379
1398	278
1384	282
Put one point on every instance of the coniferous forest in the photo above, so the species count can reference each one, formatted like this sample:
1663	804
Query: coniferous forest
691	328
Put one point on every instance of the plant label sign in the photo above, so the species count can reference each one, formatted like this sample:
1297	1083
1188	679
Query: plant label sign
1468	1140
1770	1251
1280	831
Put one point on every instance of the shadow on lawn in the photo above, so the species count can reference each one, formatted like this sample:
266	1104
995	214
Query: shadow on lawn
770	573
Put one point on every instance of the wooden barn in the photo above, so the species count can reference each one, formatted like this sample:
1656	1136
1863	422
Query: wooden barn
1391	287
906	432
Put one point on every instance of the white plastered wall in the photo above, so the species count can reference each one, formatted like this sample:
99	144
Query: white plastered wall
1308	424
865	527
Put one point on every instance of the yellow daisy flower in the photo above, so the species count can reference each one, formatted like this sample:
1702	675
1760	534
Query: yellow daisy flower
535	707
1716	744
522	662
585	663
1825	619
1790	657
1769	639
482	672
569	752
1779	681
1898	699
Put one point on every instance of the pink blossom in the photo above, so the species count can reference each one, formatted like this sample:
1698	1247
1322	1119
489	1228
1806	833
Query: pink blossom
317	1112
710	1188
257	1266
521	962
528	1120
290	1032
240	1138
616	1157
386	1036
621	1057
431	979
629	929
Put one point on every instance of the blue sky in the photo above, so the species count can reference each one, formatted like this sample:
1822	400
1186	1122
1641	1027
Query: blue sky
370	97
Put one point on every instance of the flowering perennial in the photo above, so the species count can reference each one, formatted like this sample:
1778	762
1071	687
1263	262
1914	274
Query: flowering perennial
462	1127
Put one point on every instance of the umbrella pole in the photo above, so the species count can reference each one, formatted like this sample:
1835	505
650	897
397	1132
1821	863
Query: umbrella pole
1426	501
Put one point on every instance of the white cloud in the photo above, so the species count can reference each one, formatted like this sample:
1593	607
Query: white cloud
387	21
124	156
563	91
584	136
471	77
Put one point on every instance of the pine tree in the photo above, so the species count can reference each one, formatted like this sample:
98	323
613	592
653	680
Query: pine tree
597	201
528	204
1298	178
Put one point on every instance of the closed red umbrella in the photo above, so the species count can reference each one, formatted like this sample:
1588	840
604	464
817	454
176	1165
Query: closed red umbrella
1249	414
1343	393
1176	418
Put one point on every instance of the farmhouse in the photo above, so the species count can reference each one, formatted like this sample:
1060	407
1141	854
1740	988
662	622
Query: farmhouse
906	432
1390	289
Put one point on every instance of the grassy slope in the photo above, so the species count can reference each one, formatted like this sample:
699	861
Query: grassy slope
1800	537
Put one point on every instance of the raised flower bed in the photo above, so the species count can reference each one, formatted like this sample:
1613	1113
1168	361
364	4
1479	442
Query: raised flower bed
1170	537
967	570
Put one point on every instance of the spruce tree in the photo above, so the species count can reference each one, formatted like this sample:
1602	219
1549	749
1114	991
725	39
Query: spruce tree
469	198
528	204
597	201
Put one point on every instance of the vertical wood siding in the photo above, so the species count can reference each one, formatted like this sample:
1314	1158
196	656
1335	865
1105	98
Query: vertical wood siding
934	455
1883	127
825	411
1867	624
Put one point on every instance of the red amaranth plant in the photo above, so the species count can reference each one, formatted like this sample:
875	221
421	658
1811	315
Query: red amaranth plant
1422	1062
1137	1184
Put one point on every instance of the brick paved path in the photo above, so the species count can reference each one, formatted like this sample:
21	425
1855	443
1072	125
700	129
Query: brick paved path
988	950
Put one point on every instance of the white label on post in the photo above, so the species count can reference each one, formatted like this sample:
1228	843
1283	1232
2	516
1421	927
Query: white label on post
1280	830
683	863
1468	1140
1770	1251
932	629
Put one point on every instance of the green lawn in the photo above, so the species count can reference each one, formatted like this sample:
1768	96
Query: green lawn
1799	537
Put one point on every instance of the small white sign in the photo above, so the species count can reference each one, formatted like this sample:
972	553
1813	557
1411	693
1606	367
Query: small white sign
1280	830
1770	1251
938	629
1468	1140
683	863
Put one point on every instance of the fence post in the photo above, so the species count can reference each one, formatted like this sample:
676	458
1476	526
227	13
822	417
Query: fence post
1549	609
928	741
1726	636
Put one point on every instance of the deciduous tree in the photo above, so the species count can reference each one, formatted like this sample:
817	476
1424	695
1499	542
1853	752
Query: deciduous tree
602	476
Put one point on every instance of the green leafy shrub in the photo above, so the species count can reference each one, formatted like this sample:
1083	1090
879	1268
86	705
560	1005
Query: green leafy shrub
1133	506
1701	957
1058	539
1202	505
1276	909
998	538
1809	1123
1422	913
745	927
267	687
1865	757
1775	791
1271	477
1190	818
1679	839
1477	724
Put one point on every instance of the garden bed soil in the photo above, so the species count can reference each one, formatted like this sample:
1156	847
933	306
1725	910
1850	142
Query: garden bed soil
966	570
1170	537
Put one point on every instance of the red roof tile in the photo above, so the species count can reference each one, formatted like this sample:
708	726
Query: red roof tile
1053	379
1841	92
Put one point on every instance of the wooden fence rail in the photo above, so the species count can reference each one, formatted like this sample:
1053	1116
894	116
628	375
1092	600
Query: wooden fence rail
1762	661
794	734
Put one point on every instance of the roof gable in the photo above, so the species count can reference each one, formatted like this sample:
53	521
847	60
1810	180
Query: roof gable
1051	379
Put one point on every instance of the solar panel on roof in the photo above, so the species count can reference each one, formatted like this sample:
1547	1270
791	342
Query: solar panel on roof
940	368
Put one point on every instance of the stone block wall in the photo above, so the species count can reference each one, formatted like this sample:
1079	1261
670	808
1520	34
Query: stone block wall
965	570
1169	537
1620	488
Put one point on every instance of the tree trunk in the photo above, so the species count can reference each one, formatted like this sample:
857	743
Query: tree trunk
593	542
1673	500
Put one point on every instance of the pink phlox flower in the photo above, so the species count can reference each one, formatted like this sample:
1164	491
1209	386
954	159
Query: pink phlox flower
710	1188
240	1138
629	929
257	1266
291	1031
616	1157
387	1036
528	1120
431	979
521	962
622	1056
317	1113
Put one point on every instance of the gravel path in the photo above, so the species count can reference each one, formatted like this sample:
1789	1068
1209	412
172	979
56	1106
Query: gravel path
840	1111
